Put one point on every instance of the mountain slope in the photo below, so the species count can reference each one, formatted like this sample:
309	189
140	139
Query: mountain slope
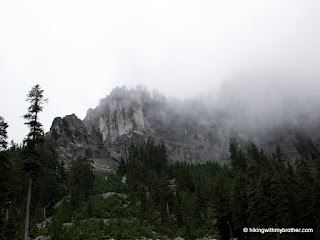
191	131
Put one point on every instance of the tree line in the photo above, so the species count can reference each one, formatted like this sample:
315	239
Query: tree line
158	199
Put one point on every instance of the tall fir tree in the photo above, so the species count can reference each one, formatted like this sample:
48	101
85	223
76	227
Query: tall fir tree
304	190
252	176
316	197
31	165
279	158
3	134
238	159
254	153
272	207
239	204
4	171
221	205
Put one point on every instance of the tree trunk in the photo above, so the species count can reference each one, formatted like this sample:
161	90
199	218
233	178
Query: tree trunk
44	210
26	229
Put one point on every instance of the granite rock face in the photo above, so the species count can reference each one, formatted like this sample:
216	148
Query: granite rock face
127	116
191	132
72	140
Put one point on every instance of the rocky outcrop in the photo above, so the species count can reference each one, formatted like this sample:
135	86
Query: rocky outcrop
127	116
189	130
72	140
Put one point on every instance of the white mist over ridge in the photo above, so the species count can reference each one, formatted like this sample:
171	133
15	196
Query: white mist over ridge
269	99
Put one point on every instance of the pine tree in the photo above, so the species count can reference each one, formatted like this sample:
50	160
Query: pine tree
3	187
279	158
165	194
221	205
316	197
253	153
238	159
34	138
153	190
134	176
3	134
184	178
4	170
80	180
161	158
290	198
239	204
36	99
122	168
273	207
252	175
304	190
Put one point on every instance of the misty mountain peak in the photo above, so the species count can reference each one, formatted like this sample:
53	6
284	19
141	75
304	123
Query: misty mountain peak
191	130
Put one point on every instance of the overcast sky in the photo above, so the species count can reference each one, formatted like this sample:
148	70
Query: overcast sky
78	51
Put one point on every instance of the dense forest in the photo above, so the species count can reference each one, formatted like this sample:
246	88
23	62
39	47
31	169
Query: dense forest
147	196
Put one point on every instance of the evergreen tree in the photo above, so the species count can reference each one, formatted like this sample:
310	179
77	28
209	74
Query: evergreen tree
49	185
36	99
316	197
253	153
134	176
165	194
3	134
272	208
80	180
239	204
279	158
252	192
4	162
161	158
50	190
153	191
221	205
304	192
238	159
122	168
34	138
184	180
4	170
304	189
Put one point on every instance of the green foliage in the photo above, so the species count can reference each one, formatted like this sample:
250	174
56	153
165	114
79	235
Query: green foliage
239	204
159	200
36	99
304	190
112	183
3	134
238	161
316	197
113	207
279	158
305	146
221	201
122	168
80	180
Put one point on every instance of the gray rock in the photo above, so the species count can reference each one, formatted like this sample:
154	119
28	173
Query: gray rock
73	140
108	194
42	238
191	132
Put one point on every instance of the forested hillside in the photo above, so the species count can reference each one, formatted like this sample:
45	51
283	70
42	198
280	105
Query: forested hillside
149	196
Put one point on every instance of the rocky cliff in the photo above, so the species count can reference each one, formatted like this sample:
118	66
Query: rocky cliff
72	139
191	132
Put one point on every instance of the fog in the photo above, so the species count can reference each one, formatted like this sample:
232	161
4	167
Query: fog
270	98
261	56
